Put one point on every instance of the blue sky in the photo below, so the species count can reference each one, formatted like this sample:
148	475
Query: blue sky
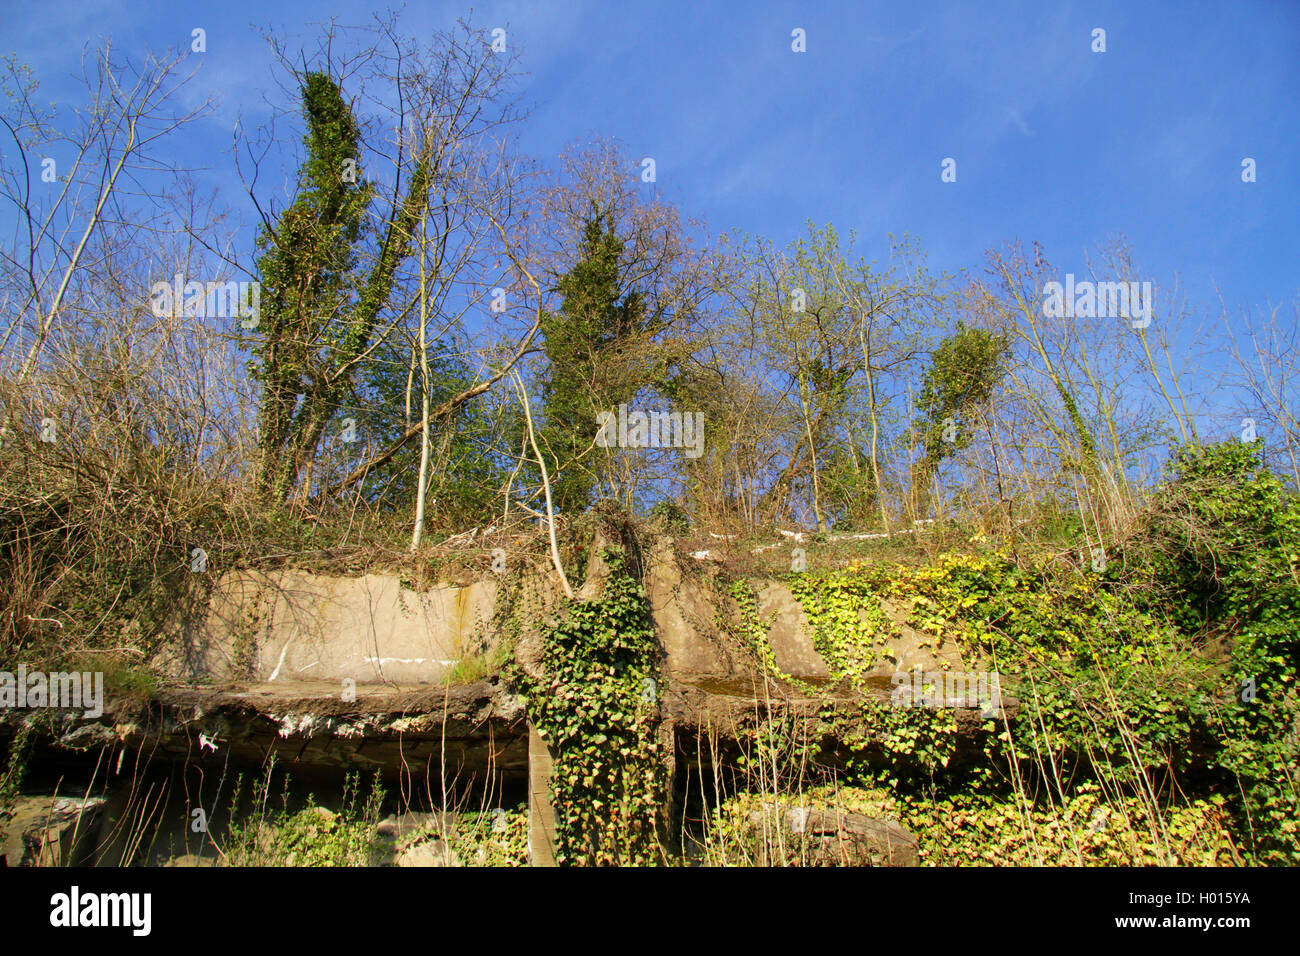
1052	141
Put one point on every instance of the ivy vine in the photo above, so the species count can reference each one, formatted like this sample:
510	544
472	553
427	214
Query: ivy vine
597	709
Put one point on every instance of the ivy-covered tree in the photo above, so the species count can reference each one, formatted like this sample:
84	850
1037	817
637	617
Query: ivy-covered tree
319	309
964	371
589	365
307	268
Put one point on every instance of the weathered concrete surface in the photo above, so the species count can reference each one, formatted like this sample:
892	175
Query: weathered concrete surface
729	711
684	614
52	831
915	650
290	625
541	813
276	633
304	638
835	837
464	730
267	669
790	633
791	636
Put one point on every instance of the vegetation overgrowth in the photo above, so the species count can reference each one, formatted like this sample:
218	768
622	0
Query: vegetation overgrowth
452	363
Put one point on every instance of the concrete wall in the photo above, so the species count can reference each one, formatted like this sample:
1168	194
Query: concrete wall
541	815
297	626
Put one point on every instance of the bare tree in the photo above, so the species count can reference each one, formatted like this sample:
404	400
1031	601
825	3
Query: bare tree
1267	352
114	181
